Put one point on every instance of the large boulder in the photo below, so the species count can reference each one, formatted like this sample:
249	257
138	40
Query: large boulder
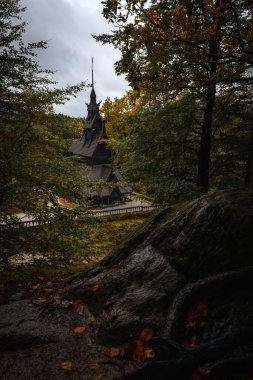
133	287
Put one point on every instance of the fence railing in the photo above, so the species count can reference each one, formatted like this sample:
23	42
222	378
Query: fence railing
125	210
113	211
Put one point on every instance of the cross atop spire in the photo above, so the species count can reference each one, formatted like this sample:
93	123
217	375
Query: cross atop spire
92	72
93	107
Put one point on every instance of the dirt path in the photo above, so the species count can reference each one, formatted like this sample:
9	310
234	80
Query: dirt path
38	340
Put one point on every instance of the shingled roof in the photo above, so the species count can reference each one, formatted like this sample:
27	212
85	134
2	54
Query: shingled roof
93	150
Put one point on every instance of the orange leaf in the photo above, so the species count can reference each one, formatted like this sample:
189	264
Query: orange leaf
67	365
196	376
102	141
96	287
191	342
196	314
146	335
48	290
79	330
79	305
205	369
112	352
40	301
139	351
66	203
93	366
201	372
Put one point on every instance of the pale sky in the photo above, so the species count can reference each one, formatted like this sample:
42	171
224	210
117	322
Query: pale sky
68	25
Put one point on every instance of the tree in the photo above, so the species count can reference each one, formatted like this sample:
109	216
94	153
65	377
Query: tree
116	112
36	170
155	148
196	47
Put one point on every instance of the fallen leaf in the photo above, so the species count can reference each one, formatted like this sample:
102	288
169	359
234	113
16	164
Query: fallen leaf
196	376
149	353
79	330
37	286
196	314
146	335
93	366
49	283
99	377
40	301
112	352
139	351
128	349
205	369
66	304
79	305
48	290
67	365
191	342
115	266
96	287
57	299
201	372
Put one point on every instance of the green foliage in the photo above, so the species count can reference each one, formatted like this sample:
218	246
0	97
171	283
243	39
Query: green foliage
157	151
156	145
36	169
169	50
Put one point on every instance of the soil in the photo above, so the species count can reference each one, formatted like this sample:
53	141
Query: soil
37	339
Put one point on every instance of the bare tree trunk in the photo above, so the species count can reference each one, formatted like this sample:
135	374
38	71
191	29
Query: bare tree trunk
205	142
249	164
206	131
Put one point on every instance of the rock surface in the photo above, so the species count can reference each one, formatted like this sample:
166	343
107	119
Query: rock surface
36	342
133	287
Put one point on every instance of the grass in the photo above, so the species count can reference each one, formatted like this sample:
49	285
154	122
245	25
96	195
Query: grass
103	238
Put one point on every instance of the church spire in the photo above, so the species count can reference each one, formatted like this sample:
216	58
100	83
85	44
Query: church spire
93	100
92	72
93	107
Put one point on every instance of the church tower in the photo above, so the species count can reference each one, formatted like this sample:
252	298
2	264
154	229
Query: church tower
93	150
91	146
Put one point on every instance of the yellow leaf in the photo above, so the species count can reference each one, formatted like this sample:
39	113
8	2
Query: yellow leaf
79	330
93	366
149	353
67	365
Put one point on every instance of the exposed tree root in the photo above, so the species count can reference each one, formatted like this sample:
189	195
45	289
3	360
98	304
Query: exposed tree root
223	282
175	361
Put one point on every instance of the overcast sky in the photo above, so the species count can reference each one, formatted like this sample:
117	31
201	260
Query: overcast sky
68	25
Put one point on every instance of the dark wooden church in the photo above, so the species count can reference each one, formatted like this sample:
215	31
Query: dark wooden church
94	151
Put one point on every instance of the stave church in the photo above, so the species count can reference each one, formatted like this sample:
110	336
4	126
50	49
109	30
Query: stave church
96	155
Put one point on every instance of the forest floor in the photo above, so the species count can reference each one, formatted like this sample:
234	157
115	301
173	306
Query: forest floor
43	337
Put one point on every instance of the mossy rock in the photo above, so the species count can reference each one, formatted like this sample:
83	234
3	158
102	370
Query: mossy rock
133	287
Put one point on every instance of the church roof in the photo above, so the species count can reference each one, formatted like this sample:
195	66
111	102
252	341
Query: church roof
85	147
100	172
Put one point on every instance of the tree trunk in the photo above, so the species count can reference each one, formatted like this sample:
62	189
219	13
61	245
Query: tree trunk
206	130
249	164
205	142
